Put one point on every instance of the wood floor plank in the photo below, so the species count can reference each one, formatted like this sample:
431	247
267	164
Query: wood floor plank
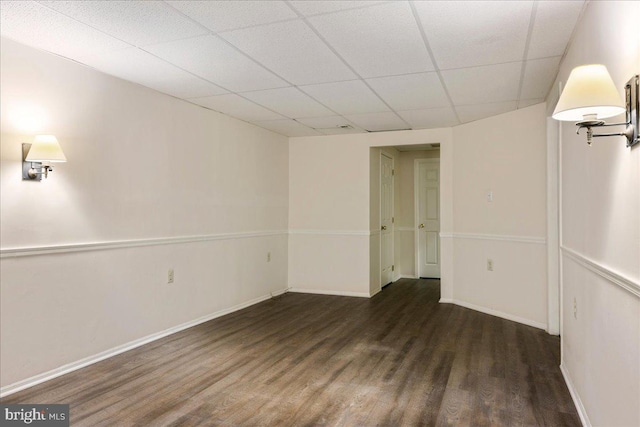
400	358
456	408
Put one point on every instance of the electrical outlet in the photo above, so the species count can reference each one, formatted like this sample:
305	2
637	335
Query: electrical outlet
490	196
575	308
489	264
170	276
268	256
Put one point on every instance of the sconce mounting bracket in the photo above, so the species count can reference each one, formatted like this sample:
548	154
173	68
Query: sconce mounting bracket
631	132
30	169
632	95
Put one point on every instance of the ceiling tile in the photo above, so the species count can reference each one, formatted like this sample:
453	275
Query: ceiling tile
287	127
469	113
136	22
292	50
177	54
315	7
481	85
289	102
236	106
378	121
430	118
213	59
527	102
376	41
470	33
411	91
186	86
351	97
328	122
133	64
230	15
35	25
539	75
554	23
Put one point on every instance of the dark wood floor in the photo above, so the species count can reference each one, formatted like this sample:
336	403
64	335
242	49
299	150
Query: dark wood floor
400	358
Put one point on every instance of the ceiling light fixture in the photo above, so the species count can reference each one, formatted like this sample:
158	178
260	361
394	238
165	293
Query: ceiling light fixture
590	96
37	156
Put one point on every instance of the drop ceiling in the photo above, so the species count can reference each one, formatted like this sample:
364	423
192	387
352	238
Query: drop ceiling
304	68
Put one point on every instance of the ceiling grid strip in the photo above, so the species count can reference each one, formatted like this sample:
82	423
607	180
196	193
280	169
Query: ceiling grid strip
416	16
532	20
317	33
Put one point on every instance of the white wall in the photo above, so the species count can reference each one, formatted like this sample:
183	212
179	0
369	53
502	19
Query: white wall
506	155
600	187
333	242
329	217
141	166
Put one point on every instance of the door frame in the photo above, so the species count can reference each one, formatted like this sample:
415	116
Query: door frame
393	212
416	204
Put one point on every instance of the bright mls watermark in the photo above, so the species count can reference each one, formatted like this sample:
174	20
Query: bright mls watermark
34	415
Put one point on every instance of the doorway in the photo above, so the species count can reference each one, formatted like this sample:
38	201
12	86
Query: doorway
427	217
386	219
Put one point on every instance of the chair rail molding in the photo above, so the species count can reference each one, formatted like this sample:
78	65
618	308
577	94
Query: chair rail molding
495	237
630	285
119	244
334	232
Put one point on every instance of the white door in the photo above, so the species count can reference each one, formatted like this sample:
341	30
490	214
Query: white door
428	217
386	219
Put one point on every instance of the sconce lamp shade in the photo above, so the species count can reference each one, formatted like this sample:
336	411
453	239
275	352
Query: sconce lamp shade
589	95
45	148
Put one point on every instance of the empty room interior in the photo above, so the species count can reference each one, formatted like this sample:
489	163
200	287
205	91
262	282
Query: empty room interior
347	213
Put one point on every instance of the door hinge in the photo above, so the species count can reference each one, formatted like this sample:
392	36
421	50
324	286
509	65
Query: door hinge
393	172
393	268
393	220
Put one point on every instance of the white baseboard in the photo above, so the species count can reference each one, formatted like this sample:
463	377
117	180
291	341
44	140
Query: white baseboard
496	313
582	413
74	366
407	276
279	292
377	291
328	292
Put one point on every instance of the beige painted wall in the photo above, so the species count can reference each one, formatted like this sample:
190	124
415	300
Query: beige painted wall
141	165
600	237
505	154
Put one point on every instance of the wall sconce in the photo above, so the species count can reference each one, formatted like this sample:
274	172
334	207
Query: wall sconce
37	156
590	96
